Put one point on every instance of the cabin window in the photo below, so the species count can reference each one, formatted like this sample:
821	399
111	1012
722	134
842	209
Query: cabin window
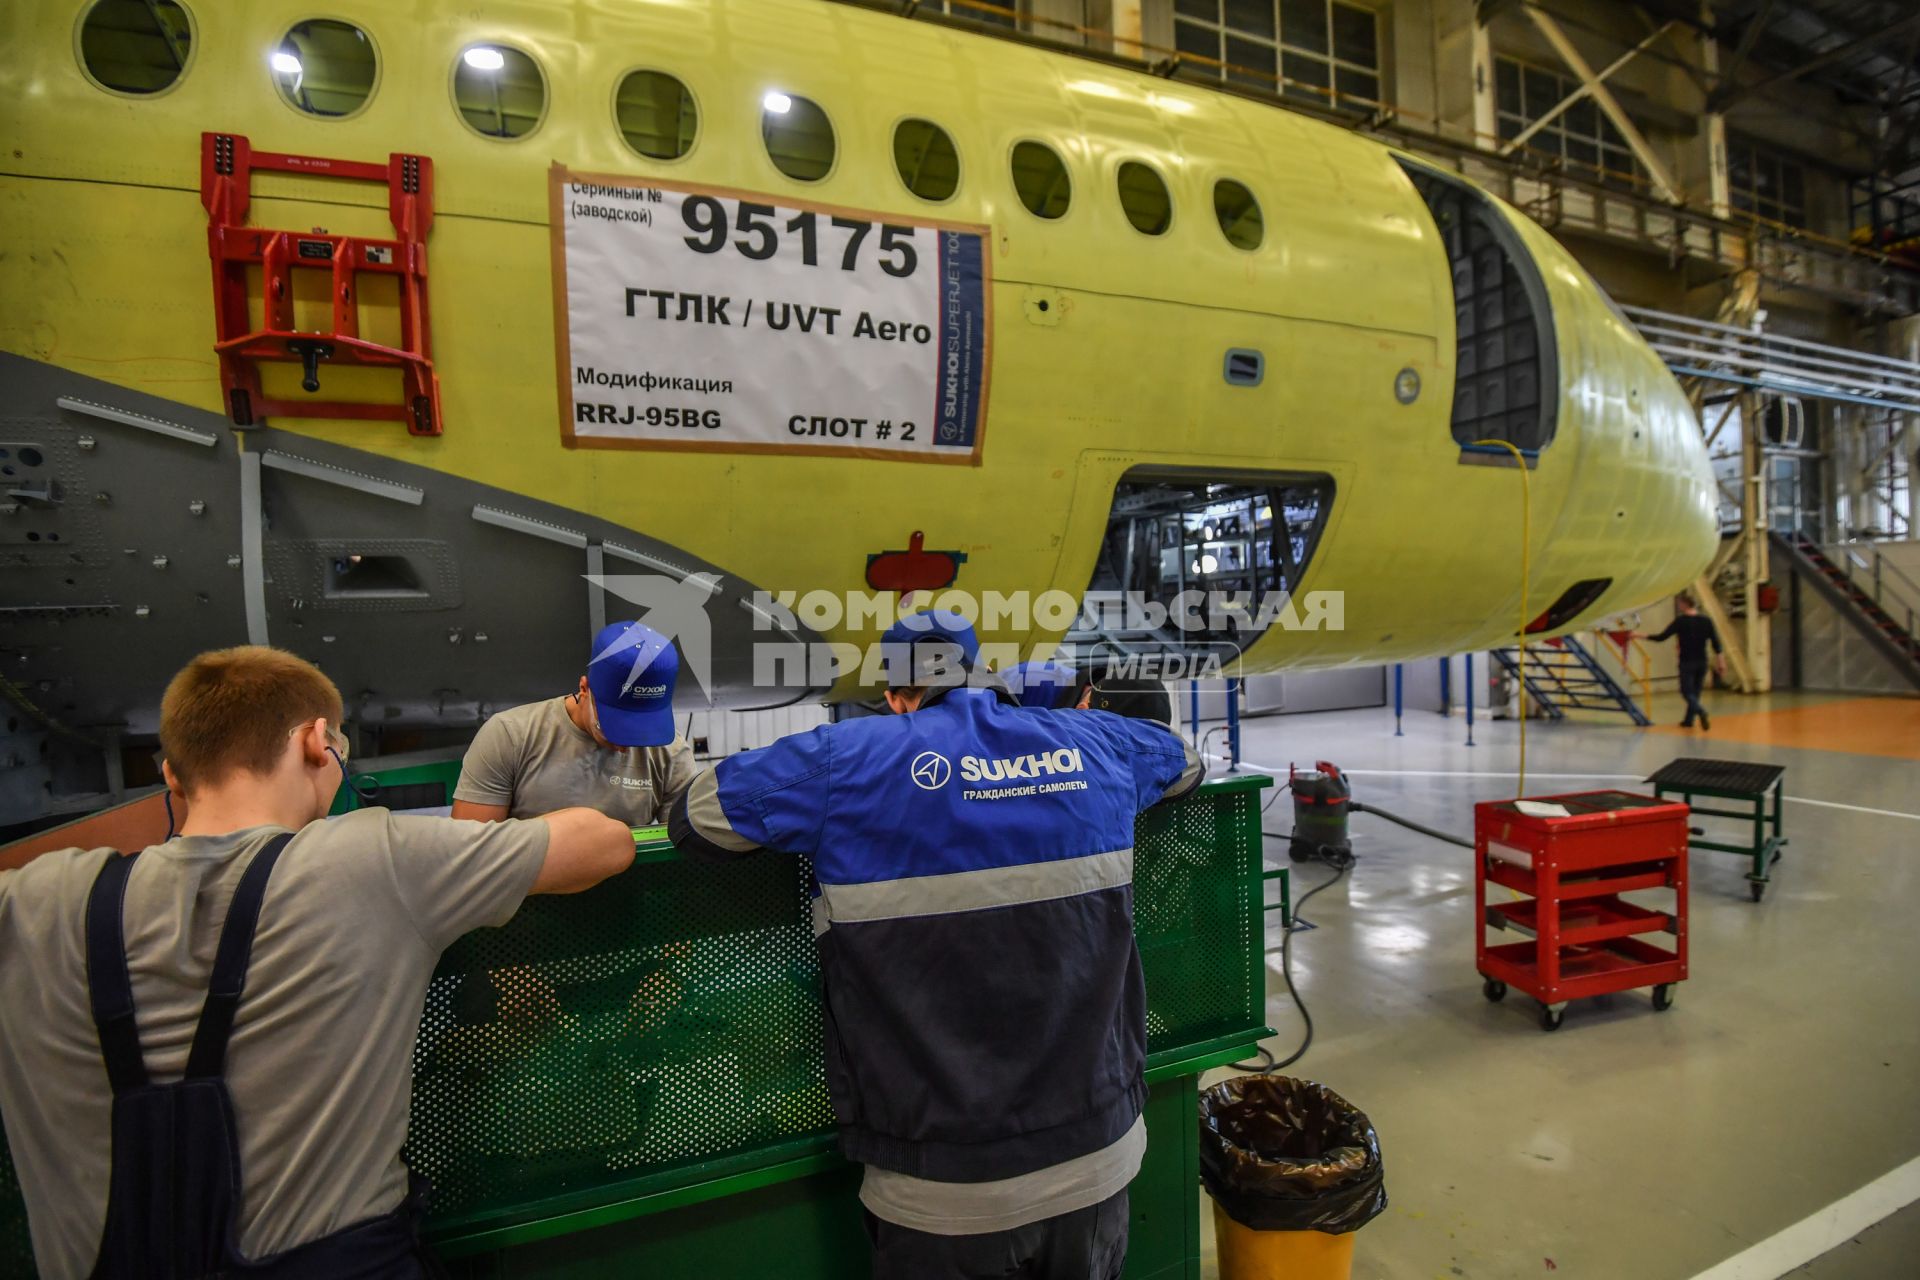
1040	178
1143	194
325	68
798	135
656	114
924	154
499	91
135	46
1198	562
1239	214
1506	365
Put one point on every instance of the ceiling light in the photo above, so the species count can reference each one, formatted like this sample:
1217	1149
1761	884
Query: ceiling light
285	63
484	58
777	102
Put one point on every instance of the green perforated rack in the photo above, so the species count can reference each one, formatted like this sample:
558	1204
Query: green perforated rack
649	1053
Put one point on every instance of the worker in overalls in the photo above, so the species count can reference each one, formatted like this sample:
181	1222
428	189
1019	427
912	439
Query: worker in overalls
609	745
208	1044
985	1013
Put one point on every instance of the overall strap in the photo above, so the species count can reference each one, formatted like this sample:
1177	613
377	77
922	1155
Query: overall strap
208	1057
109	989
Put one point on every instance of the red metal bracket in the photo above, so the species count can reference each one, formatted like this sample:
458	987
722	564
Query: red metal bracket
227	164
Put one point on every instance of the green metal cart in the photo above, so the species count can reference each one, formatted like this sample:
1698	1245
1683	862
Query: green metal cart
1759	790
630	1080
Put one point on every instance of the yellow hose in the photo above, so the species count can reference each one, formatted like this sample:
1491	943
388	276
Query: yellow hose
1526	572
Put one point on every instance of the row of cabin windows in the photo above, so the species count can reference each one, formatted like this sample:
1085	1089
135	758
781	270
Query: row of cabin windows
329	69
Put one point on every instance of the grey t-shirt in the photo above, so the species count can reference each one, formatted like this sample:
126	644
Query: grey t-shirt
320	1066
535	759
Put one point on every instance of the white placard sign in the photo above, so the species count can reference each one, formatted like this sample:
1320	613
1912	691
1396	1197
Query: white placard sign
695	318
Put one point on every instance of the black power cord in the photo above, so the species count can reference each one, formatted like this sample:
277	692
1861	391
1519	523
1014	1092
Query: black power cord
1341	860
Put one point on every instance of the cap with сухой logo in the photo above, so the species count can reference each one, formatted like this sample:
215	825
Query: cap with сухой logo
631	675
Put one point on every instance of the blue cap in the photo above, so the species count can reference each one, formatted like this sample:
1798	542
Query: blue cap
936	646
1039	684
631	675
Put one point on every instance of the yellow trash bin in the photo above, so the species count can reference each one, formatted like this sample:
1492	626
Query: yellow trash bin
1294	1170
1246	1254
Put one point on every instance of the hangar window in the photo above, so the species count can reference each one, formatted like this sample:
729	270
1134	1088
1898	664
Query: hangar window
1040	178
1766	183
656	114
135	46
1143	194
1506	366
325	68
923	153
1234	545
1577	133
1239	214
499	91
798	135
1326	52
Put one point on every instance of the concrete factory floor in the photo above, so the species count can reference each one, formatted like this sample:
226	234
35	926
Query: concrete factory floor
1630	1143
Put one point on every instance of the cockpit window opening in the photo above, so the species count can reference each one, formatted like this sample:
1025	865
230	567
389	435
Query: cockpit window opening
1144	198
656	114
1040	178
325	68
1507	369
798	135
499	91
1238	213
925	158
135	47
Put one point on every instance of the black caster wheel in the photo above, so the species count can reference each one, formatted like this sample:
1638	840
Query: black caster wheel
1550	1018
1663	997
1758	889
1494	990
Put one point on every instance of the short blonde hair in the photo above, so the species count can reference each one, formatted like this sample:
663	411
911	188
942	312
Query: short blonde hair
230	710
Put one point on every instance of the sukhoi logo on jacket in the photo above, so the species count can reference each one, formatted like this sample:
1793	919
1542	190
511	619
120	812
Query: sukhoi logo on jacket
1007	768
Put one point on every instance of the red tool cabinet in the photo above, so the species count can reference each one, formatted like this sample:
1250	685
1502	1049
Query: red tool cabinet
1587	940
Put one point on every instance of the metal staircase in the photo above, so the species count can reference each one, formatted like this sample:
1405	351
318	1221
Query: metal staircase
1881	602
1562	676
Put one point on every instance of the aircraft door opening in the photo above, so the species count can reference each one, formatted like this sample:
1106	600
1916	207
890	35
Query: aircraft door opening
1507	371
1194	565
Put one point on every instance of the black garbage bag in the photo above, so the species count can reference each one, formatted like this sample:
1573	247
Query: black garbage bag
1280	1154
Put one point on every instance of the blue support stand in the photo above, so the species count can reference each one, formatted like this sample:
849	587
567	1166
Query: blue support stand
1233	723
1469	699
1193	711
1446	686
1399	704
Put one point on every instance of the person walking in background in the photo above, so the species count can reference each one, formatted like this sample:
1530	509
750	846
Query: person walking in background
1692	633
